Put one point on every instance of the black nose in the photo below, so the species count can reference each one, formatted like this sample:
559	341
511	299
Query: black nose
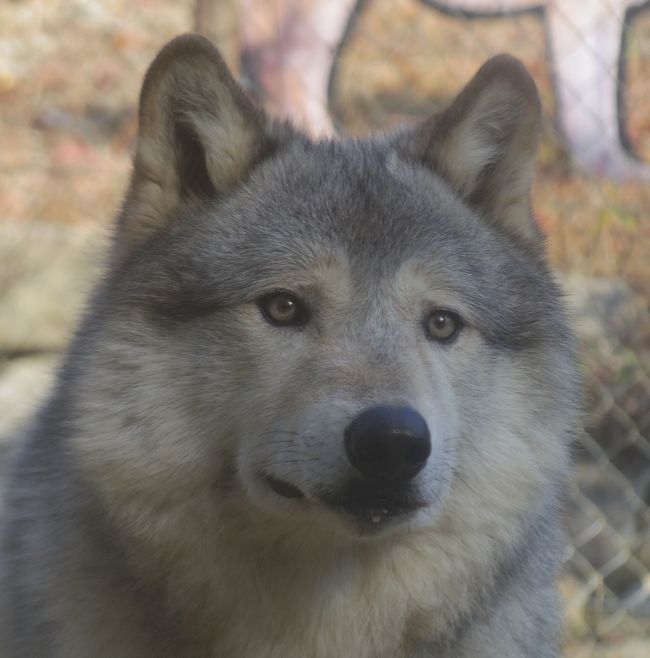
388	443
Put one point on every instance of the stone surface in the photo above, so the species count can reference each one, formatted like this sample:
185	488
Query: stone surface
627	648
24	384
46	271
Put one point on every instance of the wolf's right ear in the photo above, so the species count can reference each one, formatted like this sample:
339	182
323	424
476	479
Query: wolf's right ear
199	135
484	145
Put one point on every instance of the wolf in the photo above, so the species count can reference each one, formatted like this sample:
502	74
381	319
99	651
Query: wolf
320	402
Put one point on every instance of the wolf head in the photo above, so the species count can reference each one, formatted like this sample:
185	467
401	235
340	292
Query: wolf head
350	335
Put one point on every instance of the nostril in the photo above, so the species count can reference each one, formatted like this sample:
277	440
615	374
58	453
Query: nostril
417	452
388	443
369	452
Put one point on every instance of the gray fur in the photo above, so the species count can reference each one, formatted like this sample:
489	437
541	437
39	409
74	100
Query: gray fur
137	521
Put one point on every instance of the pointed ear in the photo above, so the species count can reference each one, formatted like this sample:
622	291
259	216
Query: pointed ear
199	135
484	145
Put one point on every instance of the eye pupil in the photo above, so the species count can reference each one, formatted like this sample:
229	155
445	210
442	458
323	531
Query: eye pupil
442	326
284	307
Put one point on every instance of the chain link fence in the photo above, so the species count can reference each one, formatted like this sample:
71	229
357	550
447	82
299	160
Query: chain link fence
607	581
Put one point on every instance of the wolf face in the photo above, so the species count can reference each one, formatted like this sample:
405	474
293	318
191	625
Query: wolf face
320	402
359	337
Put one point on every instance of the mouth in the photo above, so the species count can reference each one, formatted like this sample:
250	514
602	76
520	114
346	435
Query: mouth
372	505
283	488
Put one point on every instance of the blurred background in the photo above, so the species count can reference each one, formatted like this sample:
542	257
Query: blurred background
70	73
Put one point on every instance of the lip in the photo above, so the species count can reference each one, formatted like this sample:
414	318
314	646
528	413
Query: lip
371	504
283	488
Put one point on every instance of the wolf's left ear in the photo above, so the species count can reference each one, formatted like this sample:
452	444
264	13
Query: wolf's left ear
484	145
199	134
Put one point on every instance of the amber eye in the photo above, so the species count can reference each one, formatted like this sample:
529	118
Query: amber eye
283	309
442	326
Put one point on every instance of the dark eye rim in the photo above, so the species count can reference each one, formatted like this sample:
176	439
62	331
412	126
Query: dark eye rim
458	325
302	315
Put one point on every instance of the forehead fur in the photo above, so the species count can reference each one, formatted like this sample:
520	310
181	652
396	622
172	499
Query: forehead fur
359	202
